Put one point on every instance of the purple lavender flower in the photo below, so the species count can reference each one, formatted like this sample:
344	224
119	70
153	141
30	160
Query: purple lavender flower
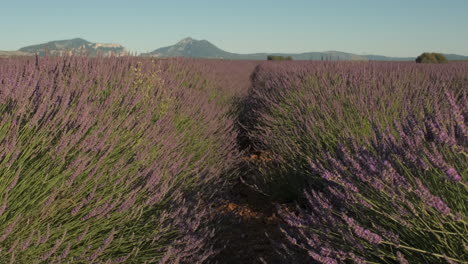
401	258
9	229
362	232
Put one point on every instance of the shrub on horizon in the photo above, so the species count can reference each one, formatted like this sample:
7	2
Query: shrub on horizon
427	57
279	58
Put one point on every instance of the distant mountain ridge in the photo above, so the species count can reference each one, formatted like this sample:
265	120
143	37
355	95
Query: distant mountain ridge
192	48
13	53
189	47
76	46
453	57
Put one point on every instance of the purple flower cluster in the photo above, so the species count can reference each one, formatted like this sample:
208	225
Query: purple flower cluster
300	110
113	159
374	153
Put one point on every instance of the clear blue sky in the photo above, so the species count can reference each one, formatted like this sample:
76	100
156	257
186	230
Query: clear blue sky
394	28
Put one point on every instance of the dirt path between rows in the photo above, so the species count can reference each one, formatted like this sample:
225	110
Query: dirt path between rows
250	230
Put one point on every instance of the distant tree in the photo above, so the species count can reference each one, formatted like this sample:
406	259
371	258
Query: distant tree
278	58
433	57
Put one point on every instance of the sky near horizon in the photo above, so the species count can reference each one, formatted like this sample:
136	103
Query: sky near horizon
392	28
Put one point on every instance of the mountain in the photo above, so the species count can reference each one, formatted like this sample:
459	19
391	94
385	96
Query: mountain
385	58
7	54
326	55
76	46
450	57
189	47
193	48
455	57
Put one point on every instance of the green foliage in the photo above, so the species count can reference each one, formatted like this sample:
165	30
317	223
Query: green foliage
433	57
278	58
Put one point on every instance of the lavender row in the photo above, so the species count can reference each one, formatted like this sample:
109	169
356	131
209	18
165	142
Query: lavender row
400	200
374	155
109	160
301	110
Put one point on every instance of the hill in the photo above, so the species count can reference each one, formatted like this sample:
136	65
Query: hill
76	46
189	47
193	48
454	57
6	54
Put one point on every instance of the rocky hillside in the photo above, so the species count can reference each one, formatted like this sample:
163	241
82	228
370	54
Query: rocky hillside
76	46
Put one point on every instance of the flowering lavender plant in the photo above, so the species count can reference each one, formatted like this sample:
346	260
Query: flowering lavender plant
301	110
374	154
110	160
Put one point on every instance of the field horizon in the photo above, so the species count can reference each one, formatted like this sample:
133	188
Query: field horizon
192	48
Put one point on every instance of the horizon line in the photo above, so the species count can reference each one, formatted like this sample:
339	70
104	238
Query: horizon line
249	53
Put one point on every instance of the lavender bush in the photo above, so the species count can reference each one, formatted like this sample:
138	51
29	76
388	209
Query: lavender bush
301	110
401	199
374	154
109	160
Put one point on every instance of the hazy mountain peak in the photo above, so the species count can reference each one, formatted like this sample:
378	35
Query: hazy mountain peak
76	46
107	45
189	47
76	40
186	40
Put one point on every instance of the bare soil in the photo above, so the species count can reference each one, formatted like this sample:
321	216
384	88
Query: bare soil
250	230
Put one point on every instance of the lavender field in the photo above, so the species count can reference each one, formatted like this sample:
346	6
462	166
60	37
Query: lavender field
140	160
